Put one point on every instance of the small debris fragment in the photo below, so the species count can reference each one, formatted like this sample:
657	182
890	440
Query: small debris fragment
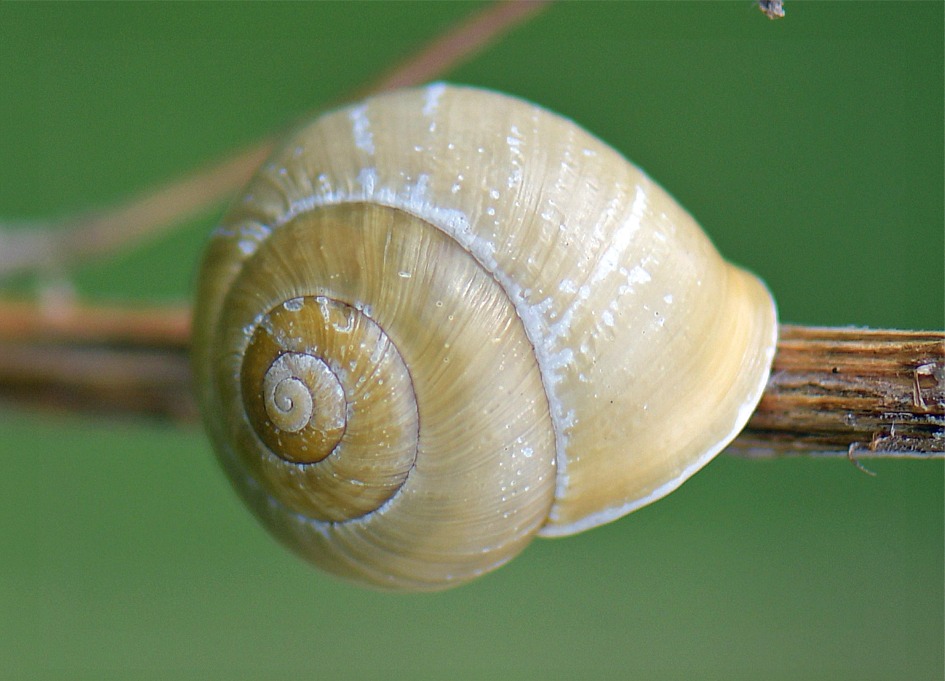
773	9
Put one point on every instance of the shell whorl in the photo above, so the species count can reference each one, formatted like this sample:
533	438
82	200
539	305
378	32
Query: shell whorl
445	320
423	486
320	382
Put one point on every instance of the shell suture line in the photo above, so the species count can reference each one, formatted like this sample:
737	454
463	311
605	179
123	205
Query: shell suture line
361	129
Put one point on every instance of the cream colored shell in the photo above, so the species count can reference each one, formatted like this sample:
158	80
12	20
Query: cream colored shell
492	323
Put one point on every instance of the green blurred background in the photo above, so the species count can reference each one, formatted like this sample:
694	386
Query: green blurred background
809	148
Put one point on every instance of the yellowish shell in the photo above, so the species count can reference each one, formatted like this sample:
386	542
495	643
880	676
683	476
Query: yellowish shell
460	321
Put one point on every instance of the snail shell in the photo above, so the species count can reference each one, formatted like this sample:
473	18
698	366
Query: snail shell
445	320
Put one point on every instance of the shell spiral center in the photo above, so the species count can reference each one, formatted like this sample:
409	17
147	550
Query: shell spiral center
300	391
317	378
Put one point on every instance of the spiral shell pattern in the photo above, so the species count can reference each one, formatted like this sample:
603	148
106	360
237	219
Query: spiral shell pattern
444	320
321	383
391	459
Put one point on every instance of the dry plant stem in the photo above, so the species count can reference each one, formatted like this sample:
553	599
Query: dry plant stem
101	380
73	324
851	392
456	45
149	214
52	246
97	359
865	393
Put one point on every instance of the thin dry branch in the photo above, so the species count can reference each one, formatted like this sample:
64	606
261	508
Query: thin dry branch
843	392
455	46
868	393
54	245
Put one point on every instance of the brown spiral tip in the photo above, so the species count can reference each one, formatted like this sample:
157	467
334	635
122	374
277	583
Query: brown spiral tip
313	399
